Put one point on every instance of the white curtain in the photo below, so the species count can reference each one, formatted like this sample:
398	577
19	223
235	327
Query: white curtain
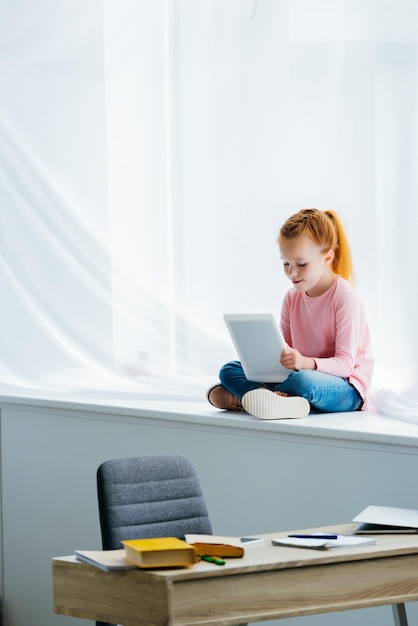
150	151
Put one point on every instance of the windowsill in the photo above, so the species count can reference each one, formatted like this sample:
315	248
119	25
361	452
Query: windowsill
179	409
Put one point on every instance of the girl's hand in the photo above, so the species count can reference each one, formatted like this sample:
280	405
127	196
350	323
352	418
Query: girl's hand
292	359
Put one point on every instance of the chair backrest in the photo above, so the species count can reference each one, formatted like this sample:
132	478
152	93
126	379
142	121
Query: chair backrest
149	496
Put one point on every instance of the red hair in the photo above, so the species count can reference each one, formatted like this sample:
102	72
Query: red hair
326	231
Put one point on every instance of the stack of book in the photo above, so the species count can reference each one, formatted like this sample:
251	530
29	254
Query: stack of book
162	552
152	553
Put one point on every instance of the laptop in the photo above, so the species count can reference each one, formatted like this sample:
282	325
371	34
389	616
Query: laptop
259	343
385	519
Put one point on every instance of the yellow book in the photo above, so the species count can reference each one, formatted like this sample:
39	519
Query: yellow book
159	552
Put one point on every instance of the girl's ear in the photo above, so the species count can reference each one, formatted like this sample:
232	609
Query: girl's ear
329	257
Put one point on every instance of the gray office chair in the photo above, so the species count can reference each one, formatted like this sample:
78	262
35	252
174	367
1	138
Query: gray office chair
150	496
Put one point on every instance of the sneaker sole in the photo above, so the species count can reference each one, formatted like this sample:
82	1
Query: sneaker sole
267	405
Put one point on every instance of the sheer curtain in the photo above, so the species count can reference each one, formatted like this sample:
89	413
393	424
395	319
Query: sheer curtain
150	151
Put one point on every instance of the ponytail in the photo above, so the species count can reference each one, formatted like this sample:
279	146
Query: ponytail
342	263
326	230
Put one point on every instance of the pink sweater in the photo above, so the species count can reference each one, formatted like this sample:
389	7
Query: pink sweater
332	329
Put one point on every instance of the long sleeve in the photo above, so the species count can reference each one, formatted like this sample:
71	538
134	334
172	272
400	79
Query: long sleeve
332	329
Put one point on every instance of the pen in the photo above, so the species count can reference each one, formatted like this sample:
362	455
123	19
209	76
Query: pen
314	536
213	559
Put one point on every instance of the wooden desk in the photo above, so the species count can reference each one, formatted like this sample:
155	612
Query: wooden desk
270	582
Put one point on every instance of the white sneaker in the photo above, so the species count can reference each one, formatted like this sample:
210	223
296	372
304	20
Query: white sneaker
267	405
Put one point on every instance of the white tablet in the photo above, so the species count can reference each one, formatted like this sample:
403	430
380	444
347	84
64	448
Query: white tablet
259	343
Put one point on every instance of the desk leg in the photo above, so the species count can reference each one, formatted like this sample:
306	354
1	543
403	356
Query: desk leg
399	615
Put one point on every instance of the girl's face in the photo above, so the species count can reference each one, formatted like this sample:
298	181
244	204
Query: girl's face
306	266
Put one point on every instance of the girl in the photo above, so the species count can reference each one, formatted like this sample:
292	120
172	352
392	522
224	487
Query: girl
329	356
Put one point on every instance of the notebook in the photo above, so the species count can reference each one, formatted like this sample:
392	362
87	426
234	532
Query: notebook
385	519
259	343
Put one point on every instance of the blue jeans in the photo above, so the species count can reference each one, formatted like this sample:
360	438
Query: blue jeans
324	392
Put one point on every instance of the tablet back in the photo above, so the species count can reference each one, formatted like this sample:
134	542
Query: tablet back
259	343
